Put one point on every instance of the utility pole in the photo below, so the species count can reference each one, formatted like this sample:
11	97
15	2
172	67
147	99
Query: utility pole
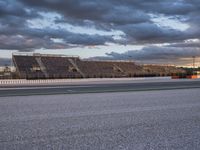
193	65
193	62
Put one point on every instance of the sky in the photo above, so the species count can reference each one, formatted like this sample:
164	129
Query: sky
146	31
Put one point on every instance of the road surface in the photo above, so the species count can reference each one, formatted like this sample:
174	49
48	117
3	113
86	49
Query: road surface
100	87
144	120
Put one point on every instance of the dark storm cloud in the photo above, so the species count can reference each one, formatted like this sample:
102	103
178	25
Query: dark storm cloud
155	54
24	43
88	9
186	44
132	17
11	7
15	34
37	39
128	16
150	33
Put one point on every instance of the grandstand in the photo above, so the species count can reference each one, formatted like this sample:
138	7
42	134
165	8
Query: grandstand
162	70
42	66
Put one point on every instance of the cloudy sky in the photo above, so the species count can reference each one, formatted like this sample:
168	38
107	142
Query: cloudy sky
147	31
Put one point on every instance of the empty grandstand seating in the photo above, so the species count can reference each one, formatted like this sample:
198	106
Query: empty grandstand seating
109	68
27	67
54	66
60	67
160	70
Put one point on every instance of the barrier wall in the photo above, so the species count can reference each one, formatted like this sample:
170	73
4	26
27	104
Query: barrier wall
69	81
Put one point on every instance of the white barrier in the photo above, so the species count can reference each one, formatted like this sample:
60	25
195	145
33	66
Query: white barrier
23	81
69	81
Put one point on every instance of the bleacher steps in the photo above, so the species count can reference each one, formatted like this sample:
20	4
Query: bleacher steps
77	68
42	66
121	70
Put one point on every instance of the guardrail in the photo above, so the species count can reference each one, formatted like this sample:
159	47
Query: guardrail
67	81
23	81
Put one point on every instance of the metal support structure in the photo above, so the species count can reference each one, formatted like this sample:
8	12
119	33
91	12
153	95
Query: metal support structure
193	62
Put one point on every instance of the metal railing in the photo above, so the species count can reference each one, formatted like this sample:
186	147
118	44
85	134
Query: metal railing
65	81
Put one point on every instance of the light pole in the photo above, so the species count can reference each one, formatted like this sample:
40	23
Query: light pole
193	62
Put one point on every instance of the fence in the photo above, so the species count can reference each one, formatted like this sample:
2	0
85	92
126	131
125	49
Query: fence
70	81
35	82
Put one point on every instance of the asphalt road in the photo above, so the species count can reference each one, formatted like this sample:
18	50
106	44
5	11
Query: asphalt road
145	120
100	88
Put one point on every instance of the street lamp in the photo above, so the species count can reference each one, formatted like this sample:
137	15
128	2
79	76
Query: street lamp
193	61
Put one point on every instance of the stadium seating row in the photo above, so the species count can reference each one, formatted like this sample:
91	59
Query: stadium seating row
49	67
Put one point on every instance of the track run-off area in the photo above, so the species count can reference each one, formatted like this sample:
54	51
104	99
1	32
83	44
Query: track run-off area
156	114
98	86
